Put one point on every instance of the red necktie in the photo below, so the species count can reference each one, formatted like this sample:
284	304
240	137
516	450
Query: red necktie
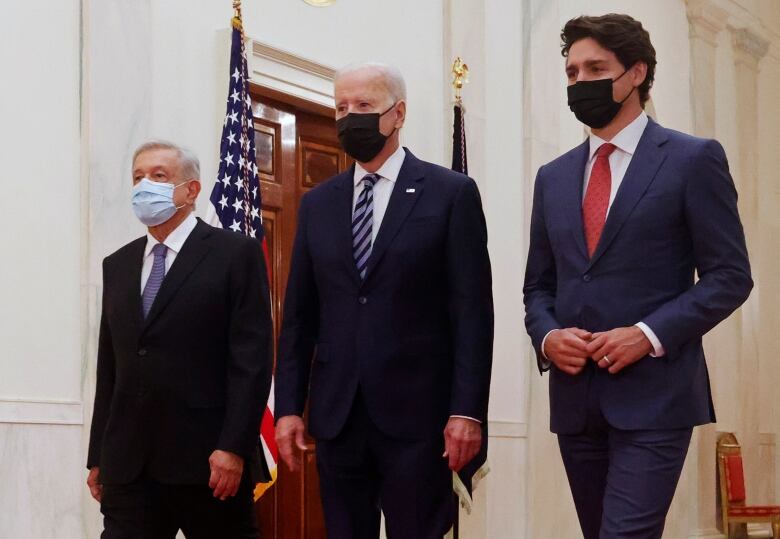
594	208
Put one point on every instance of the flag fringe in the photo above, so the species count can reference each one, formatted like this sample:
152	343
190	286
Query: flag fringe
466	501
261	488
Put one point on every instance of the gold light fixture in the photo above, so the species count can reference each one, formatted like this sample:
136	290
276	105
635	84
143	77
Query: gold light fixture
320	3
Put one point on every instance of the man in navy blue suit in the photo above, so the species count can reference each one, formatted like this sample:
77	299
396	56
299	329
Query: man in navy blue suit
620	226
390	294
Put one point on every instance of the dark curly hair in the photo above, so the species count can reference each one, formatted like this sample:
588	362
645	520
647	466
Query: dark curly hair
621	34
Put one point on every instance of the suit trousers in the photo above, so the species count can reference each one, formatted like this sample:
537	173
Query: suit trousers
147	509
622	481
363	471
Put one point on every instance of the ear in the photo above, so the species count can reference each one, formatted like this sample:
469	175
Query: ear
638	73
193	190
400	114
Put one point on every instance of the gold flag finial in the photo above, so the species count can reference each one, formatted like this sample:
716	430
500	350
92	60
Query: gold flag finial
460	72
237	15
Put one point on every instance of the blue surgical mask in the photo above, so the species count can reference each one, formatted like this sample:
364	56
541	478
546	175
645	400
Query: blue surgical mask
153	201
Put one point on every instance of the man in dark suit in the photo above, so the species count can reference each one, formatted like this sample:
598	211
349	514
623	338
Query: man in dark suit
184	366
390	294
620	225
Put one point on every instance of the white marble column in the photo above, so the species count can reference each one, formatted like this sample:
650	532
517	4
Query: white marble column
749	48
487	34
706	20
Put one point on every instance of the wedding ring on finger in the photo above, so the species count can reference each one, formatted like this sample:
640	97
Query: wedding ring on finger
606	358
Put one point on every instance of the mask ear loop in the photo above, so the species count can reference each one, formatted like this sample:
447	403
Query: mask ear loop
632	88
385	112
179	185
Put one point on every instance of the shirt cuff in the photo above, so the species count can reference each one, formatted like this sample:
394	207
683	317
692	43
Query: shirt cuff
658	348
544	341
466	417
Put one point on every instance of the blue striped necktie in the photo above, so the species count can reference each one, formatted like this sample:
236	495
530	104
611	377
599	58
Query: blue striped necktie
155	280
362	223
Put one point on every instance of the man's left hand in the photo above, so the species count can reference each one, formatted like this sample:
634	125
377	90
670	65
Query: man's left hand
226	470
462	439
619	348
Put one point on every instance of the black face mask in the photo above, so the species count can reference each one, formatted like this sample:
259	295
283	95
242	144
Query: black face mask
360	136
592	103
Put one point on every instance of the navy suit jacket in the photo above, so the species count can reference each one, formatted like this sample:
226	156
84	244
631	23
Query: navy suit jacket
675	215
416	335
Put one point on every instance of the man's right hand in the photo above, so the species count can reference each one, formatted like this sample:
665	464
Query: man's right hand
568	349
93	482
289	438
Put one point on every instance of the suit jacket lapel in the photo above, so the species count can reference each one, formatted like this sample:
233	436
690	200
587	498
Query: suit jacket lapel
571	194
191	254
131	285
344	191
640	174
407	190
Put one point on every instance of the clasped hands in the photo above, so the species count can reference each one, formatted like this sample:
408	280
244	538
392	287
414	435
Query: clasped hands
570	349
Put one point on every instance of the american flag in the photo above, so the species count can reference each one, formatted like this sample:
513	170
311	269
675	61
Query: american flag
235	200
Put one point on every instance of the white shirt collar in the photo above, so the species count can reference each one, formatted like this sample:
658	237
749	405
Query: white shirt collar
389	169
626	140
175	239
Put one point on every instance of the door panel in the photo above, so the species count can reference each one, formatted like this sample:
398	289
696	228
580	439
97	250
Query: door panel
297	149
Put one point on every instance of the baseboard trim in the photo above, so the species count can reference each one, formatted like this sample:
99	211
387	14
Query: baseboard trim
41	412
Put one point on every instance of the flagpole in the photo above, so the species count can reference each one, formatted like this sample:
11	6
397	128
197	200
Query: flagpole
460	72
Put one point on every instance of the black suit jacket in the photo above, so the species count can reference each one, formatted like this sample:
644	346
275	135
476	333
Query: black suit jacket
195	375
416	336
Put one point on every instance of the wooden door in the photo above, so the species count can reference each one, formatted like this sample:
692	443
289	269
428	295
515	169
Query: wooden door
297	148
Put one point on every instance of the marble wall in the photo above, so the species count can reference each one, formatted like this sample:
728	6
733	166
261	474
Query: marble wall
102	76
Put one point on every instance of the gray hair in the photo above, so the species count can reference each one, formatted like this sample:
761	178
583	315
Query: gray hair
190	165
391	77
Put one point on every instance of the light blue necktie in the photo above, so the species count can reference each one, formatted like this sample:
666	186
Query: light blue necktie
155	280
362	223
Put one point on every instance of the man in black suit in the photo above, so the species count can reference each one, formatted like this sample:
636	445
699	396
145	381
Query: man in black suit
390	294
184	366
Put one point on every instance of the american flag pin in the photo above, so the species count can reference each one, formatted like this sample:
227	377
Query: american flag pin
410	190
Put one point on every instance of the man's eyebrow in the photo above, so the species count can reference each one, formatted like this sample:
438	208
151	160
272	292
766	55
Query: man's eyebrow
591	63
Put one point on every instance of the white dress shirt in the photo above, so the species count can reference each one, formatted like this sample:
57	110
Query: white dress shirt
173	242
625	143
383	188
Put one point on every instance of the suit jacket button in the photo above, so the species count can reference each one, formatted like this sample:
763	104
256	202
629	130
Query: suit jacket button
586	278
142	352
362	300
